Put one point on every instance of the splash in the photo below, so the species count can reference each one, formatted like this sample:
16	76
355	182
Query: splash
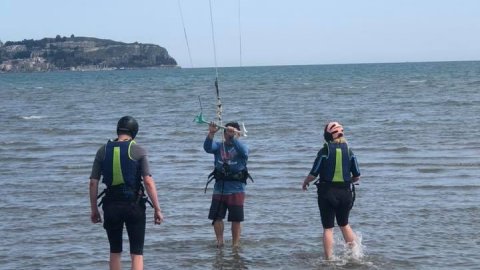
348	253
354	251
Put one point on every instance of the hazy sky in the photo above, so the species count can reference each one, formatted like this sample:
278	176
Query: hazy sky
273	32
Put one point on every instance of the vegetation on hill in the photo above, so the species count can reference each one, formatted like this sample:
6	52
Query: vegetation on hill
62	53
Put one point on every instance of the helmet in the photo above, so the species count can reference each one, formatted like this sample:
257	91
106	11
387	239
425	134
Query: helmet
333	130
127	125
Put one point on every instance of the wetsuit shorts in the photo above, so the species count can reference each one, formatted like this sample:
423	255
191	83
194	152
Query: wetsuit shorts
334	202
118	213
231	202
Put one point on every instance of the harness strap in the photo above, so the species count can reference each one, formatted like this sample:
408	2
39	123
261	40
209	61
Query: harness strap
144	197
250	177
101	196
353	195
140	197
210	178
214	175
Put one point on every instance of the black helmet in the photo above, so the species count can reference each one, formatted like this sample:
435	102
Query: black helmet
127	125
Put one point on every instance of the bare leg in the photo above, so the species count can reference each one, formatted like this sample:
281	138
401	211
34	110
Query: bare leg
348	235
328	243
115	261
218	227
137	262
236	231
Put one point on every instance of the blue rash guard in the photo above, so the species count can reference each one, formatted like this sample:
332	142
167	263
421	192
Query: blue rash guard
235	155
335	163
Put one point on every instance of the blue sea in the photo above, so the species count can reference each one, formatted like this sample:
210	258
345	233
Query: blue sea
413	126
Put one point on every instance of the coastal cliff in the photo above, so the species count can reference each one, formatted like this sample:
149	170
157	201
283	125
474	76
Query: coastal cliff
80	53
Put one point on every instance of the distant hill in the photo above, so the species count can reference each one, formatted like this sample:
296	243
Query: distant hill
80	53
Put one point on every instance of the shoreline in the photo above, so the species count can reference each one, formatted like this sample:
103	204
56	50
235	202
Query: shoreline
88	69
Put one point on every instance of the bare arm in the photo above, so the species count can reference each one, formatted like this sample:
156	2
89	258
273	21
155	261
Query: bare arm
152	194
93	190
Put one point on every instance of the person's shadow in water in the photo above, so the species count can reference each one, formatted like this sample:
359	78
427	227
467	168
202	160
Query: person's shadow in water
229	258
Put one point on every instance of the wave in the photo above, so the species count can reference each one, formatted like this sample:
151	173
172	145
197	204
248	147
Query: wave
448	187
417	81
32	117
474	83
429	170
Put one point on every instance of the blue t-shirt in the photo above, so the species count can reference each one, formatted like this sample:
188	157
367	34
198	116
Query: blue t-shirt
235	155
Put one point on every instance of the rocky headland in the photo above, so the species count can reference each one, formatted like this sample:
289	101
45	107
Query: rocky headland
80	53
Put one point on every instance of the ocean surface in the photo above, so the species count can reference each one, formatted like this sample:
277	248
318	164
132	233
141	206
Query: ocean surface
413	126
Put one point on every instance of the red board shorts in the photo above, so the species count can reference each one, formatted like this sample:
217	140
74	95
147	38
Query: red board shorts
231	202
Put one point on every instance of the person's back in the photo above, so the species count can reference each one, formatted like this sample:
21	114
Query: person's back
123	167
336	168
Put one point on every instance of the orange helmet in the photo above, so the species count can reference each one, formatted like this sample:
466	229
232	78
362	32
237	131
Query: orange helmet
333	130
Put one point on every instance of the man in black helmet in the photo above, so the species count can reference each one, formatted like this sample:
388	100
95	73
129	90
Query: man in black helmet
123	166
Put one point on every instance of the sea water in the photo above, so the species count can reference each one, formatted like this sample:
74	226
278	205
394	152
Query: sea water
413	126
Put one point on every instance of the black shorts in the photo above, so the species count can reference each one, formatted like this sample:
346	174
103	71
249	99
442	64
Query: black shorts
133	216
334	202
231	202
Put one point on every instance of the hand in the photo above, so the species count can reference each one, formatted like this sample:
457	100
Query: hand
305	185
158	217
95	217
355	179
212	128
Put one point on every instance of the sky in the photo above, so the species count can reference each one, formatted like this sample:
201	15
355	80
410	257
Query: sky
262	32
